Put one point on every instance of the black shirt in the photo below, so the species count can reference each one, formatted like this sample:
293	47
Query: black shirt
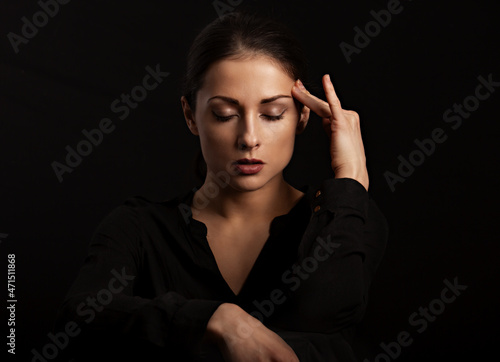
150	282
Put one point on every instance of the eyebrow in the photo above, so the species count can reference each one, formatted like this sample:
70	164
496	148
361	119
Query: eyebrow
263	101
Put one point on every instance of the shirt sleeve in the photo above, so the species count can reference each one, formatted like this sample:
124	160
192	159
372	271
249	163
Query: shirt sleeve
104	301
343	244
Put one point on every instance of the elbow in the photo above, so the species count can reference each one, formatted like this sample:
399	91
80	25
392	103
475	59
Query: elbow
74	312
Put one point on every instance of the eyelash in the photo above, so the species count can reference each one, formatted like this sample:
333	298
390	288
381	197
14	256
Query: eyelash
227	118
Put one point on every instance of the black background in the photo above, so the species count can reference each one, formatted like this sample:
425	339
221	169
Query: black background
428	58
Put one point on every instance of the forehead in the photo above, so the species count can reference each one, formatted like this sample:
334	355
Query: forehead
247	79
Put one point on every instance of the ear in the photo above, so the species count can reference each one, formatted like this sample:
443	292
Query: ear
304	117
189	116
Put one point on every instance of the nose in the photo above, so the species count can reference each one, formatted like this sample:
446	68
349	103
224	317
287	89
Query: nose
248	133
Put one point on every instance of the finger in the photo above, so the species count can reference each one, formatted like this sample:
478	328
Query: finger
311	101
331	97
307	112
317	105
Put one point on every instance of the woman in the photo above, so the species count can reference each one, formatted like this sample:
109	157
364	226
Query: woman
247	267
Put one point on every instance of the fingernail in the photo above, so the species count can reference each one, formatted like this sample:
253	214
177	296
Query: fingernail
301	86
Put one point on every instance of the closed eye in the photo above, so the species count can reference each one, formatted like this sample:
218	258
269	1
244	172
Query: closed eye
274	118
221	118
268	117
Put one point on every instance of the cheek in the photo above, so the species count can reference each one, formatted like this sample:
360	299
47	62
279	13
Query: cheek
217	138
215	145
281	142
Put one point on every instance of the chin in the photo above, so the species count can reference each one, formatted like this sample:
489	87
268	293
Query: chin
247	183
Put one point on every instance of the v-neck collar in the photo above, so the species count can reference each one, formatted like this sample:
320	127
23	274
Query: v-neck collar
199	230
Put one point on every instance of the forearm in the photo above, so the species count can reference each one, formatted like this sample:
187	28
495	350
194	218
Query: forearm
326	289
165	321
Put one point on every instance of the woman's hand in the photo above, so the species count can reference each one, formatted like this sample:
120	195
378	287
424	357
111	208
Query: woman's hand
343	130
243	338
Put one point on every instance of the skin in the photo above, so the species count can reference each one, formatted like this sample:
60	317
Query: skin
249	81
343	129
257	199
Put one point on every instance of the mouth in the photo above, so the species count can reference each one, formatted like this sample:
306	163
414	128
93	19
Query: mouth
247	166
251	161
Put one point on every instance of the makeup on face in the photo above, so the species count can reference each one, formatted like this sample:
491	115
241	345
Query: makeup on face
225	108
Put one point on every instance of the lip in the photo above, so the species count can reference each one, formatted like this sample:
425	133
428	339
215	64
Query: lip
249	160
254	166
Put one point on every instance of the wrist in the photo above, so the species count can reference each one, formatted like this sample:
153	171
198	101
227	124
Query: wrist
359	174
217	324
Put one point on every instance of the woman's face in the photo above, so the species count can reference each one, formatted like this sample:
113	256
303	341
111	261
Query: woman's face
245	109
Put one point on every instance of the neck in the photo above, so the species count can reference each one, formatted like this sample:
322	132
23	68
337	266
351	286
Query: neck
268	201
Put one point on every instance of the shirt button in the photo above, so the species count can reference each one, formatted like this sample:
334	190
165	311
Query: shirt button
317	208
318	193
